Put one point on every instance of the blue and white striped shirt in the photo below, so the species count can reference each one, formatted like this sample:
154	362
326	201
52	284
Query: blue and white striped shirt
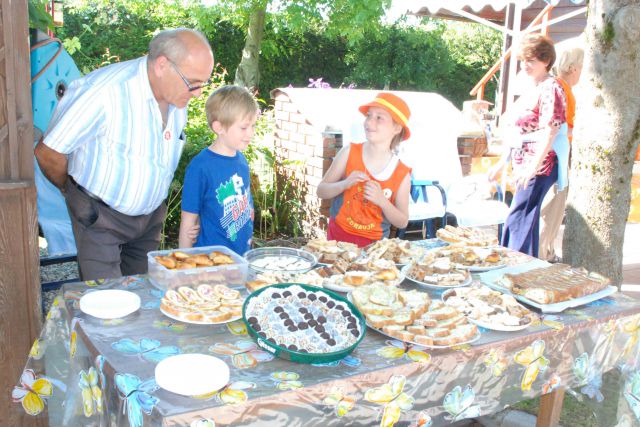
110	125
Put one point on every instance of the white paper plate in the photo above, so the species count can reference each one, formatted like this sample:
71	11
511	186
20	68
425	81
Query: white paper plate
467	282
192	374
347	288
196	322
109	303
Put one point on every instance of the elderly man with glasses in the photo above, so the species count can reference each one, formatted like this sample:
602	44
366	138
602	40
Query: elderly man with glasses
113	145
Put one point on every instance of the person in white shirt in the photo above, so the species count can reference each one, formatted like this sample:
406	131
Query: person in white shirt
113	145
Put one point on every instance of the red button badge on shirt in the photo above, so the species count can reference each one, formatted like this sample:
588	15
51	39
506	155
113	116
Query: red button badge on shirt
167	135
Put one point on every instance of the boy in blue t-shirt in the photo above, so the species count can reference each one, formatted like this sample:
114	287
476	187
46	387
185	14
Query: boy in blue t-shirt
216	196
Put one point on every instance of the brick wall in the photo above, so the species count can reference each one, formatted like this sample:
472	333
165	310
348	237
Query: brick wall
297	139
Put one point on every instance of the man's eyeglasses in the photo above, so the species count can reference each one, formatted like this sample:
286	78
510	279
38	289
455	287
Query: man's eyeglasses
190	87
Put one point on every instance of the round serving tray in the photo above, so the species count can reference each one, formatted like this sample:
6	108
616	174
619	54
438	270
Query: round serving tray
256	254
466	282
296	356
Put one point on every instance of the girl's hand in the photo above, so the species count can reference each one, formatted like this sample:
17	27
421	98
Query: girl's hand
373	193
193	232
354	178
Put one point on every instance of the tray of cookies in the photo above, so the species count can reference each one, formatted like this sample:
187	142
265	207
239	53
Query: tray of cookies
467	236
436	271
280	260
489	309
328	251
344	277
170	269
411	316
473	258
302	323
203	305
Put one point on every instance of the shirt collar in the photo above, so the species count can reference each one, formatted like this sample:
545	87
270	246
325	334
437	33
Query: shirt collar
144	78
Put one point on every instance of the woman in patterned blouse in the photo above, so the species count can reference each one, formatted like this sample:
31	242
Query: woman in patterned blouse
541	126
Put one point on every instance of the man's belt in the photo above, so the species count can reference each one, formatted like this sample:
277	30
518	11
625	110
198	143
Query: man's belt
86	192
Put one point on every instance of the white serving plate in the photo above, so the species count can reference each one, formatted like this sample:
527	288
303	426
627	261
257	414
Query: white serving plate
487	325
491	279
192	374
197	322
346	288
109	303
467	282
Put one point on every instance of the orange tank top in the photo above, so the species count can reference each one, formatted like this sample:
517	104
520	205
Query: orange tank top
359	216
570	112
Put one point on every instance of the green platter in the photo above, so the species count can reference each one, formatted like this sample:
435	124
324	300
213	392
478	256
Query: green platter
296	356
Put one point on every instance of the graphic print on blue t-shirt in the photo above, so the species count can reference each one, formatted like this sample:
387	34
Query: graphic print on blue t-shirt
235	205
218	189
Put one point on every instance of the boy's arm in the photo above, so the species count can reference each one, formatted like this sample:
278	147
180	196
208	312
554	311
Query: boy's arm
189	229
332	183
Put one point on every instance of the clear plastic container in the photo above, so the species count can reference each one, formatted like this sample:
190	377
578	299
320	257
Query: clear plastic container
232	275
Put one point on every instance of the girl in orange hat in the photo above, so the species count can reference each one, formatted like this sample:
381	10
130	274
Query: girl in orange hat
368	182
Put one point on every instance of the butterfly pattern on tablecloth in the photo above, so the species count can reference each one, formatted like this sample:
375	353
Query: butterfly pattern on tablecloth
90	392
348	360
459	404
231	394
154	303
632	393
496	362
244	353
169	325
38	349
393	398
32	392
147	349
73	337
396	349
532	358
203	422
237	327
422	420
341	402
585	371
285	380
552	383
137	396
632	328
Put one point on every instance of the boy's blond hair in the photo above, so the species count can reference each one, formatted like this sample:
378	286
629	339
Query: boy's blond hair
228	104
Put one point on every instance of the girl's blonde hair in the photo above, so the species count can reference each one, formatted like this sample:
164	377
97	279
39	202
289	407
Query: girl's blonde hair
570	57
228	104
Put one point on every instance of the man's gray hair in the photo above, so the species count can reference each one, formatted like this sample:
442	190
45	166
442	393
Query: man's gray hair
171	43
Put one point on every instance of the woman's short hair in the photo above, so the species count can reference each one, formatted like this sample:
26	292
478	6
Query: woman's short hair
228	104
538	46
570	57
172	43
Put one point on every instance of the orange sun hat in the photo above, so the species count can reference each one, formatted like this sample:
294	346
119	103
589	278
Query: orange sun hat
395	106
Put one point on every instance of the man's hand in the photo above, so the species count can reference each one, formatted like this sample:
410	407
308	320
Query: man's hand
52	164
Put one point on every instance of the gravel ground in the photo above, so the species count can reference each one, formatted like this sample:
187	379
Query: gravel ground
54	273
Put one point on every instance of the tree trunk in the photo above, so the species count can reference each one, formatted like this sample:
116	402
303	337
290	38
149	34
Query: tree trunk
606	135
248	71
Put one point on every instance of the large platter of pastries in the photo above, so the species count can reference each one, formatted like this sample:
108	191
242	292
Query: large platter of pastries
437	272
204	305
329	251
303	324
180	260
397	250
411	316
554	283
473	258
467	236
345	276
489	308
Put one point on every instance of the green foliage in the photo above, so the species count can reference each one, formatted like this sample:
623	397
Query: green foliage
39	18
